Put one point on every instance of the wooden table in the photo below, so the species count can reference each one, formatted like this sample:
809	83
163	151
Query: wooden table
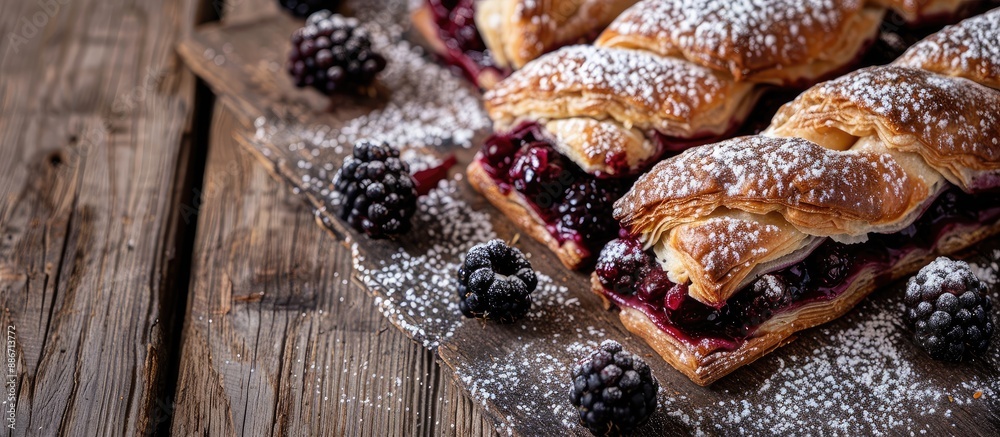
157	279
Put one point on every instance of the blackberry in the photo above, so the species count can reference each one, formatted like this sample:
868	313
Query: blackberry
333	54
949	309
495	282
456	20
587	209
538	171
305	8
379	194
613	390
622	264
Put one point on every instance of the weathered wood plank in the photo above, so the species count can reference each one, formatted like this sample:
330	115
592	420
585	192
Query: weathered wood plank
857	375
277	339
94	123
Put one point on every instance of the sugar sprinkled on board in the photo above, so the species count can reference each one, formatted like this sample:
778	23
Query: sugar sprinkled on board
864	377
988	271
427	106
418	285
860	378
528	363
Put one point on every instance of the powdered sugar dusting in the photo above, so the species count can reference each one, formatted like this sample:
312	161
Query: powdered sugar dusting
988	271
417	284
957	119
530	363
728	241
426	105
738	36
857	381
968	49
668	87
785	172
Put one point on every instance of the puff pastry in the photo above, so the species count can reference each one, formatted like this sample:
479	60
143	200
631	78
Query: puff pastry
953	51
666	76
763	236
486	39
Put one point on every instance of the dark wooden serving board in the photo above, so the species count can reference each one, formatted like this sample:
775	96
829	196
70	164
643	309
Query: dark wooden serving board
857	375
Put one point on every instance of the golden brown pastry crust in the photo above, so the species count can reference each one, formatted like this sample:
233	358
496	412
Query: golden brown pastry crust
602	147
953	123
771	41
585	81
705	367
821	192
718	254
970	49
864	153
513	206
518	31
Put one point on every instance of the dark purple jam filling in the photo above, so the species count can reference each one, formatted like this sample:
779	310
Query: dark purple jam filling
466	50
576	206
632	277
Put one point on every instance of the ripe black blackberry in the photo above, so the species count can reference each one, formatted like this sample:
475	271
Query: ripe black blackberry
304	8
495	282
622	264
613	390
949	309
587	208
333	54
379	193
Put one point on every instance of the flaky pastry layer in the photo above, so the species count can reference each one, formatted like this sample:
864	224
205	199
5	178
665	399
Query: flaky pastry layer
970	49
769	41
719	254
603	147
819	191
953	123
705	368
518	31
637	89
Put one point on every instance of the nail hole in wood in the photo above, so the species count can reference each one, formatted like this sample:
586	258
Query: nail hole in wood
55	159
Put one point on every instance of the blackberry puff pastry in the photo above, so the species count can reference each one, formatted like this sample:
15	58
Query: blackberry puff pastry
663	77
486	39
734	247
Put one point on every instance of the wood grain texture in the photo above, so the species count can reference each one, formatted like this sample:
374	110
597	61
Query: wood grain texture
277	339
94	123
494	363
408	397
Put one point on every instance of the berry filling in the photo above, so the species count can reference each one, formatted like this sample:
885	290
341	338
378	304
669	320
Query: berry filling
575	206
425	180
466	50
633	278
